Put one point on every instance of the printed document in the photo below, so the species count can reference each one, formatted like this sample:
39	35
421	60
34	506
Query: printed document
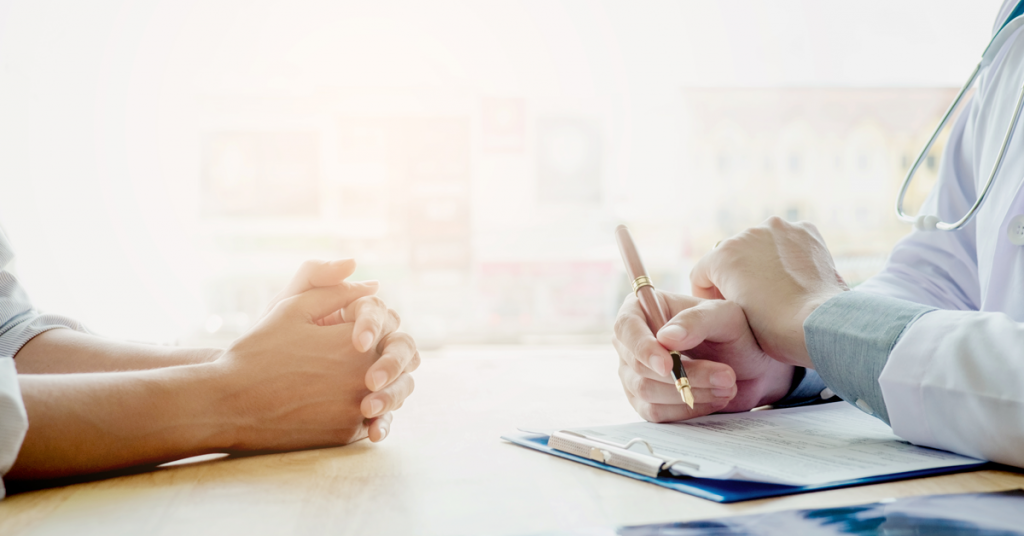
796	446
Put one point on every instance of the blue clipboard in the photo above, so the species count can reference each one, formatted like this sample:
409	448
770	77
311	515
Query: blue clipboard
728	491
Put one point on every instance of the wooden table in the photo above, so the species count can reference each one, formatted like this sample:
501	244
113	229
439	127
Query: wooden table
444	469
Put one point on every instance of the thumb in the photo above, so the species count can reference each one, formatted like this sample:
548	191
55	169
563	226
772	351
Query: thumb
314	273
710	320
702	283
317	303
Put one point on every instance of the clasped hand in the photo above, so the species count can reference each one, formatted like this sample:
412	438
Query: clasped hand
323	366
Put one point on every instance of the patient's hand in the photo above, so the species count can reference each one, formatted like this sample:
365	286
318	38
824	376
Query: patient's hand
727	369
292	383
372	326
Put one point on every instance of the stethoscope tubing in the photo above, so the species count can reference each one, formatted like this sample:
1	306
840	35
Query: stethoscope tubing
929	222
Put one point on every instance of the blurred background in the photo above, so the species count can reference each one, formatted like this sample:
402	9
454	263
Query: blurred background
165	166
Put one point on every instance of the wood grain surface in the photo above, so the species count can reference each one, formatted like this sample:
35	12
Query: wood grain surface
443	470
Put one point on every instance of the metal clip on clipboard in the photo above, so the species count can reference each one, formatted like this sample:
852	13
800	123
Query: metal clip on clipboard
614	454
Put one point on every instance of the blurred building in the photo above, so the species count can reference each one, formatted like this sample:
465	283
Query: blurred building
492	222
835	157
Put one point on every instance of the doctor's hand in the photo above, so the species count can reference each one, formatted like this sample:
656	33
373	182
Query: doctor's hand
727	370
370	317
779	273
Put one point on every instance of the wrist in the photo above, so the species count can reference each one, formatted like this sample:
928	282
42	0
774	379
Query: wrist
195	356
786	379
199	398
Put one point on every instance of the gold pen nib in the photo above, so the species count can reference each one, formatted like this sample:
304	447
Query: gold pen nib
682	382
683	386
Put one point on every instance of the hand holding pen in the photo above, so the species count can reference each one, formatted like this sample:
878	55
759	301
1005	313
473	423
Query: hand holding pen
725	367
653	308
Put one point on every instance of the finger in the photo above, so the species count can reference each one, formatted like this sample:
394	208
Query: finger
398	354
699	372
360	289
702	276
388	398
379	427
636	341
671	412
333	319
373	320
711	320
637	366
321	302
316	273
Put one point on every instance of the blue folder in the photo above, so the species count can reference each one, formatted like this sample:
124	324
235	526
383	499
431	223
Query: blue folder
727	491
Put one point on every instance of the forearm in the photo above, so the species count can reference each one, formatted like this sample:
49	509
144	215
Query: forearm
83	423
61	351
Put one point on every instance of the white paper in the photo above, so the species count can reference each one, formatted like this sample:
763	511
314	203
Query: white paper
796	446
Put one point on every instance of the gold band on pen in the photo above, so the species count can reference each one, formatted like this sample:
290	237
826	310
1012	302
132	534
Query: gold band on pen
640	282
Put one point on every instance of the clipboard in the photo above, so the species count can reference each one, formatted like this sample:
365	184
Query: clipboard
721	491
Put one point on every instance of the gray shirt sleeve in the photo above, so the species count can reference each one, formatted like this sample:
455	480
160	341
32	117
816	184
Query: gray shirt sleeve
849	339
19	322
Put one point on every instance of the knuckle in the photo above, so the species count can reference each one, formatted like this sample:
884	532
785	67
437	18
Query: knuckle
626	376
374	302
405	338
309	265
639	348
645	389
393	316
392	365
696	315
291	302
647	411
636	366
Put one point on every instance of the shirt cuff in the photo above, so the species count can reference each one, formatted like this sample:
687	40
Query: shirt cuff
849	339
13	419
19	330
806	389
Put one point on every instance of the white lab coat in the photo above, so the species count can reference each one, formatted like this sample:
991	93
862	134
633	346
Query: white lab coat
955	378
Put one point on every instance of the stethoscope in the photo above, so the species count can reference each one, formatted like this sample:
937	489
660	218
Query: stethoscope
928	222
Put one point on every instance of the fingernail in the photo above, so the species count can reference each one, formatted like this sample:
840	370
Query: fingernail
375	407
383	432
379	379
721	393
721	379
365	340
659	364
370	284
341	262
672	333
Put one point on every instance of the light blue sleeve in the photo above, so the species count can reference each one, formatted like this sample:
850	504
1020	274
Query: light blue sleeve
807	389
849	339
